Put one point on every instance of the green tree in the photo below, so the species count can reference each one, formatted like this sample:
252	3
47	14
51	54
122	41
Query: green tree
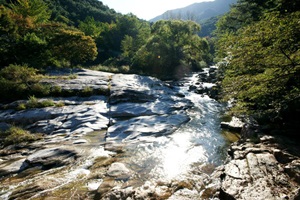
72	45
264	70
114	42
173	46
135	39
37	10
91	27
24	40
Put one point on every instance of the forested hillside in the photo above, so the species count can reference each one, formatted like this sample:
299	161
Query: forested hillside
204	13
37	34
260	40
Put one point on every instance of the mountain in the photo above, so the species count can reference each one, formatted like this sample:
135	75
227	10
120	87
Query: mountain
204	13
197	11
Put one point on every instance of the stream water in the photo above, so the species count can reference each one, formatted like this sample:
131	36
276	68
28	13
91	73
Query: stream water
198	141
151	158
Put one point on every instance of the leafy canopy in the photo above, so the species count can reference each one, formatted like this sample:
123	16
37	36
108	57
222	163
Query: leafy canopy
263	73
173	46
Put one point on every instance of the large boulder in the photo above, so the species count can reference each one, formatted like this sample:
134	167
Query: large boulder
137	89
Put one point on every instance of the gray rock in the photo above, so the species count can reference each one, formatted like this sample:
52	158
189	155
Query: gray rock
155	125
234	125
11	166
254	172
73	119
4	126
84	78
119	170
80	141
293	170
53	157
157	107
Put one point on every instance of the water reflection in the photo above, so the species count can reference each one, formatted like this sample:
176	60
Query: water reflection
198	141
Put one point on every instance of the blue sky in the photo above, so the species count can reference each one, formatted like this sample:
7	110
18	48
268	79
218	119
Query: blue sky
147	9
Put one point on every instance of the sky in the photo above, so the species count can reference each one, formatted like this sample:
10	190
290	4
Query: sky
147	9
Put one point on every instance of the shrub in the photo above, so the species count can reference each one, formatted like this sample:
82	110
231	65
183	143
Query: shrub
72	76
33	102
40	89
46	103
21	106
60	104
16	135
56	90
87	91
16	81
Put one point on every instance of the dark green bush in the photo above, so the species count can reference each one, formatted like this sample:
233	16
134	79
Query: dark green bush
17	135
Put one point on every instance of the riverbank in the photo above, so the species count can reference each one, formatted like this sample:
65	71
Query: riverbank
146	139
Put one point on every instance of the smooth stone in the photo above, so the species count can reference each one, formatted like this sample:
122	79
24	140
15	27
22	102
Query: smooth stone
155	125
52	157
13	167
81	141
118	170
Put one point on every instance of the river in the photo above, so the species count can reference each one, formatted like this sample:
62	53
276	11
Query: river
157	159
198	141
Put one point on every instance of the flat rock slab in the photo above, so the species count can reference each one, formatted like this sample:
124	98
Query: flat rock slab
157	107
11	167
155	125
79	115
137	89
52	157
83	78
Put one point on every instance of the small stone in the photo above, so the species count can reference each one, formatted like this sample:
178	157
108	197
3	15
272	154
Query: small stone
81	141
118	170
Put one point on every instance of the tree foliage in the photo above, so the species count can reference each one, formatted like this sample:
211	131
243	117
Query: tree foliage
27	37
16	81
173	45
263	73
37	10
91	27
66	32
72	12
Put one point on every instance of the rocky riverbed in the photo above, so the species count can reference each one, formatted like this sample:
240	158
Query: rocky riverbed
143	139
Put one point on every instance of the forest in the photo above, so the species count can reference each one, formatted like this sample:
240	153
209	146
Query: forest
260	40
257	42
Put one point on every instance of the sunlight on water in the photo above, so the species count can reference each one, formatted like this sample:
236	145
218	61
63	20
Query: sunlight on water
198	141
180	154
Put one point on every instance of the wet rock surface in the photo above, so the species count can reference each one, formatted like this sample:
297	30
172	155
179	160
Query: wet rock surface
83	152
85	129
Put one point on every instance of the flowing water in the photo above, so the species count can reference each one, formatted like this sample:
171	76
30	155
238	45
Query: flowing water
151	158
198	141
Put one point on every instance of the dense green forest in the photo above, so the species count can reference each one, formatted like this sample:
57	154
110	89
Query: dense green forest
61	33
261	40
